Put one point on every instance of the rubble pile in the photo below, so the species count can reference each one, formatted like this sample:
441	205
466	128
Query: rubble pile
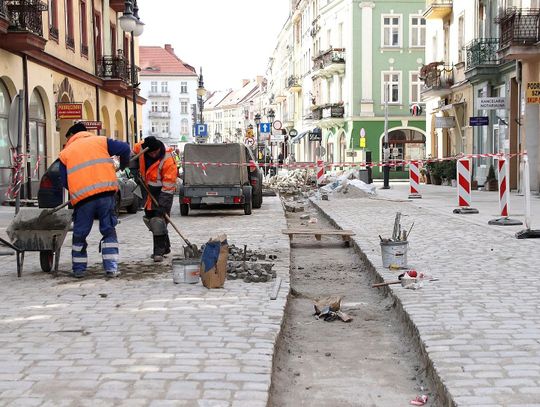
250	265
347	185
293	182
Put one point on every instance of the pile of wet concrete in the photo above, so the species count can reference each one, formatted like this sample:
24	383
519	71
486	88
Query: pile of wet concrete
251	266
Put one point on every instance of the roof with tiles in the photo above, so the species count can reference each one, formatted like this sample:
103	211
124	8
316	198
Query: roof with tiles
157	61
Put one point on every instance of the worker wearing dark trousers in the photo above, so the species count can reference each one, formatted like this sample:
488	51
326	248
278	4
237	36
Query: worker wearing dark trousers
87	171
157	168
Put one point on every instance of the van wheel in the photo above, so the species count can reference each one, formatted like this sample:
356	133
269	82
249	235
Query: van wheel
184	209
248	201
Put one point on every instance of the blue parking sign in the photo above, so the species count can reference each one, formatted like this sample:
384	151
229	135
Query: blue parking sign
265	128
201	130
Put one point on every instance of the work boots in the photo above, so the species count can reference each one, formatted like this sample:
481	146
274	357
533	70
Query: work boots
160	248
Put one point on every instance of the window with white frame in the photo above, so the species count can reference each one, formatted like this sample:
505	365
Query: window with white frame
164	106
154	127
184	106
165	127
415	87
183	87
418	31
184	126
164	87
153	87
154	106
391	87
391	35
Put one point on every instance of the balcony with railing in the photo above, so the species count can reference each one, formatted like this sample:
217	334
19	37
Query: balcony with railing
438	79
116	73
159	115
438	9
293	83
25	25
329	62
482	58
520	33
4	20
329	114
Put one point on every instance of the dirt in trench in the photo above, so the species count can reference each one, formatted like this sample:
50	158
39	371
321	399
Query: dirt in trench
367	362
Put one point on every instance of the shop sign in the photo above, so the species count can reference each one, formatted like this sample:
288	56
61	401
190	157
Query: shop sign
533	92
445	122
92	125
492	103
479	121
72	111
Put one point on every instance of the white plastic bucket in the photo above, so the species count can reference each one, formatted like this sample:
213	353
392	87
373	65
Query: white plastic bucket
186	271
394	253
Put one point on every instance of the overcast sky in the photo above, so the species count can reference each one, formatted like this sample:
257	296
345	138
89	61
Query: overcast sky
230	39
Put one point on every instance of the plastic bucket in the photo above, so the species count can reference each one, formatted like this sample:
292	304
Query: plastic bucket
186	271
394	253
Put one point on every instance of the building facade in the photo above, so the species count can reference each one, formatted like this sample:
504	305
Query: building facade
170	87
57	53
347	56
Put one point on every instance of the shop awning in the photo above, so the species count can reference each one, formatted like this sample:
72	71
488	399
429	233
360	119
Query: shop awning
300	136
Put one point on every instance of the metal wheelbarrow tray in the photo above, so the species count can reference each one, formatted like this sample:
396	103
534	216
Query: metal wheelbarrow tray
30	232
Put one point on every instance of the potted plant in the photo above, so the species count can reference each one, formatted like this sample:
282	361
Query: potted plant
434	170
491	183
449	172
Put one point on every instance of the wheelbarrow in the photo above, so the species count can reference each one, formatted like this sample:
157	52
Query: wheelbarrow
30	231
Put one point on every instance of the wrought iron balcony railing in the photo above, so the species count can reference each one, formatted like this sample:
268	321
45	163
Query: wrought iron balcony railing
114	67
26	15
482	51
333	110
3	9
437	75
519	26
330	56
293	82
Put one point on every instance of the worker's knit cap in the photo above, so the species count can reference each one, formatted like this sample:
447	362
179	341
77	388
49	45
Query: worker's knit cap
152	143
76	128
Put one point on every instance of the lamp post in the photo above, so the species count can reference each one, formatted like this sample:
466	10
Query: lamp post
130	22
257	122
271	116
386	149
201	91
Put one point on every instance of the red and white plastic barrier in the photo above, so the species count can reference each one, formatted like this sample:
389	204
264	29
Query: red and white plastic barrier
463	169
320	172
504	197
414	180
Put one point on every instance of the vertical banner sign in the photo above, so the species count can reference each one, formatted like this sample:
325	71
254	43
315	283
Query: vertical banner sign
320	172
503	187
464	182
414	180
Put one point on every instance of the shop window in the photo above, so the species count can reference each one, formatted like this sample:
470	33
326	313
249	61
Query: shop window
405	144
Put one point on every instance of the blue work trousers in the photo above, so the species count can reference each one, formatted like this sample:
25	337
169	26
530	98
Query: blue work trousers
103	209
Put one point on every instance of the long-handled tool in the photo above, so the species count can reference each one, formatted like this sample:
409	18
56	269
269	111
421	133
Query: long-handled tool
191	251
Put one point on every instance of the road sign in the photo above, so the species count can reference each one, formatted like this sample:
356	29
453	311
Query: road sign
201	130
293	133
277	125
249	141
491	103
320	151
277	138
362	132
362	142
265	128
479	121
533	92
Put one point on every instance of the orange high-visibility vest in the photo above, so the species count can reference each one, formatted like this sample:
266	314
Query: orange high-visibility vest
162	173
90	168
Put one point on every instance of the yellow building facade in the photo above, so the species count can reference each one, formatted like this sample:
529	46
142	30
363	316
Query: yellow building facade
61	54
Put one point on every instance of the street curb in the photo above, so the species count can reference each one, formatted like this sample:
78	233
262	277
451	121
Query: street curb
443	396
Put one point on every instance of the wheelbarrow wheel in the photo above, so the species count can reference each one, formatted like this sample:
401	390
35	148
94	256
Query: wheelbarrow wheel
46	260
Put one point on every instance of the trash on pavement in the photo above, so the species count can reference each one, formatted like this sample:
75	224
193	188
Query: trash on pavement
419	400
214	262
329	309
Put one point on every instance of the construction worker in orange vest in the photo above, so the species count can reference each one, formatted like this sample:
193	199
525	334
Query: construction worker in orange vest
157	168
87	171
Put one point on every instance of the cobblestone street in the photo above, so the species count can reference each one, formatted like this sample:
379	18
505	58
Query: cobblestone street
141	340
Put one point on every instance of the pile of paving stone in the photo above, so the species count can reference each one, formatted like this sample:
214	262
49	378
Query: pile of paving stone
252	266
293	182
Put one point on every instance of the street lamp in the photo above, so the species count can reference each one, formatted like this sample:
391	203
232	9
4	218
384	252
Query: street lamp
257	122
130	22
201	91
271	116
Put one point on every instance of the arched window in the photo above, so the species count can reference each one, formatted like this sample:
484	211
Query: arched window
38	150
5	103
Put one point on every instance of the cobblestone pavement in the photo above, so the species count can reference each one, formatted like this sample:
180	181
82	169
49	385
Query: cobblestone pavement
479	324
141	340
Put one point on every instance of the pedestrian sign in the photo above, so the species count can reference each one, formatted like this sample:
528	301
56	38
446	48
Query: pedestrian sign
201	130
265	128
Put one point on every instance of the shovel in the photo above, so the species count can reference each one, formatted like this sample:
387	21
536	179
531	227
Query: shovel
191	251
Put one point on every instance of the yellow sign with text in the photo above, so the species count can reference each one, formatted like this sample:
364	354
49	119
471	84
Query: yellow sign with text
533	92
362	142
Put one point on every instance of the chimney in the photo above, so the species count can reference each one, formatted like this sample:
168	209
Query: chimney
169	49
245	82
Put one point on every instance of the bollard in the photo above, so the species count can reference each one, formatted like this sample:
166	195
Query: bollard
464	187
527	233
504	196
320	172
414	180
